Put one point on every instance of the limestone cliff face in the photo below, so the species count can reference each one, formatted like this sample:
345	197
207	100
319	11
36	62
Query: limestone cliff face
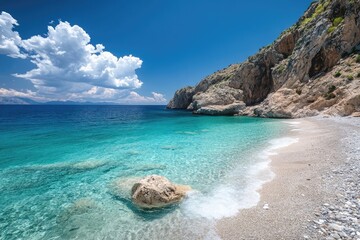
312	67
182	98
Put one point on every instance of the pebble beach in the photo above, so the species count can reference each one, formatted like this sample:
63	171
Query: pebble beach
315	193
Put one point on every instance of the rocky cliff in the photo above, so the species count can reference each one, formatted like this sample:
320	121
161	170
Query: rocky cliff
313	67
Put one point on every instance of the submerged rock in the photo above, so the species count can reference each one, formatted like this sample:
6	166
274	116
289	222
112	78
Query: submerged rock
79	207
150	167
156	191
89	165
121	187
169	147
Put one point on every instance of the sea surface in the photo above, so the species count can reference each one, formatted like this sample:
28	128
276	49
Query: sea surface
66	171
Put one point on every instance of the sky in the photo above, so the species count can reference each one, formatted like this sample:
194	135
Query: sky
129	52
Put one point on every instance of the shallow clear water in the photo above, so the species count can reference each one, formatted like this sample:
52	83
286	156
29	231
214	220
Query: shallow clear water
65	171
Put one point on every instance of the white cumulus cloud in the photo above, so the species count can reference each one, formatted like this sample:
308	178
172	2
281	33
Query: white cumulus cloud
66	55
4	92
9	40
134	97
158	97
69	67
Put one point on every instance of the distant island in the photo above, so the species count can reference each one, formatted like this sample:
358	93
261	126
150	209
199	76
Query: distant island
28	101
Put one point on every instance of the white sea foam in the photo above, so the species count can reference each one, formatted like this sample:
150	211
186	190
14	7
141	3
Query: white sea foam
291	122
225	200
280	143
294	125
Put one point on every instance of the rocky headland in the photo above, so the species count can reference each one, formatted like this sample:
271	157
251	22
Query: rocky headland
312	68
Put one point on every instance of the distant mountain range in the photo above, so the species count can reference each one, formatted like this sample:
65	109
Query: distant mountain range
27	101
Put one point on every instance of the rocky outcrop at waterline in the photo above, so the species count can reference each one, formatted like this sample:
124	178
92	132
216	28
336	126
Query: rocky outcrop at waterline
156	191
312	68
182	98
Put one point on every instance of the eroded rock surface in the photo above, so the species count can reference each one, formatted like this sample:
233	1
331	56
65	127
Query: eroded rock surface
182	98
156	191
312	68
230	109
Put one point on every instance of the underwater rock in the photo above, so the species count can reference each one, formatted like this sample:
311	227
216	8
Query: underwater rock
78	166
89	165
150	167
168	147
133	153
155	191
121	187
79	207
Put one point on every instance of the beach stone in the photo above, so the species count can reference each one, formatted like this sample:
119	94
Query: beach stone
336	236
336	227
155	191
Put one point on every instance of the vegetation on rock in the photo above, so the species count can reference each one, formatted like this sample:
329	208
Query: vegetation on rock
337	74
330	94
358	58
350	77
319	9
287	78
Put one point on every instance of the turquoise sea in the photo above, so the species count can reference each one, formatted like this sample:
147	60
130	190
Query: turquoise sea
65	171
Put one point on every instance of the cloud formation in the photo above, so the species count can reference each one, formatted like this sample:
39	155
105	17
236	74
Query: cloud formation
9	40
66	55
26	94
69	67
134	97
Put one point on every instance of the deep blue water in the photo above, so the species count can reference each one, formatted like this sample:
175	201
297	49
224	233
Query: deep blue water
65	171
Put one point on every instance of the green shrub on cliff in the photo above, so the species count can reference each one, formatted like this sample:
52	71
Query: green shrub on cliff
281	68
350	77
358	58
331	29
330	93
337	74
337	21
331	89
319	9
329	96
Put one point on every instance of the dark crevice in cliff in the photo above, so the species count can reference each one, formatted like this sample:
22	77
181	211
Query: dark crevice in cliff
279	78
338	11
318	64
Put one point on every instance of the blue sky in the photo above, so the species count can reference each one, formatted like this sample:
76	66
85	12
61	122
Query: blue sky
148	49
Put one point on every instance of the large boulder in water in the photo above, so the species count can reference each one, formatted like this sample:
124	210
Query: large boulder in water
156	191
